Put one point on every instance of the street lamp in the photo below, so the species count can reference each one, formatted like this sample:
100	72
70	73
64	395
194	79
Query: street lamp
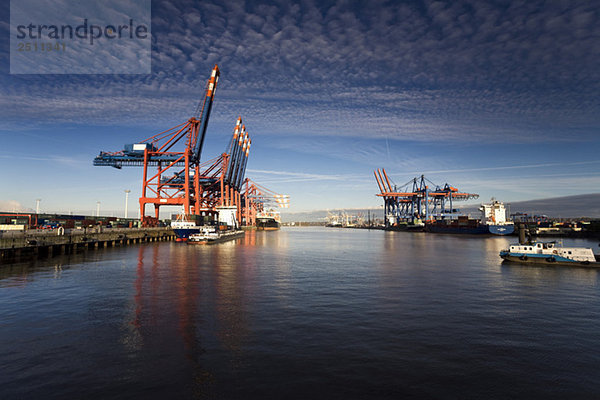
127	191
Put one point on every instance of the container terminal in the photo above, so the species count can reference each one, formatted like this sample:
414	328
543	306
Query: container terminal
213	192
216	192
421	205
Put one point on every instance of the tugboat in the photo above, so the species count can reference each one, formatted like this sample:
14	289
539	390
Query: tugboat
549	253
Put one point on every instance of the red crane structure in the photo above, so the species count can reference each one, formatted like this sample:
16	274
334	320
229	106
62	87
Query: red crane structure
235	168
258	198
178	172
416	200
173	174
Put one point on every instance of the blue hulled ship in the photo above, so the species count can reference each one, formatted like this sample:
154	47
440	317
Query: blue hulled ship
493	216
493	221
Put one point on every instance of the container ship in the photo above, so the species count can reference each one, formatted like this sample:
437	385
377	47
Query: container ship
493	221
462	224
185	225
268	220
493	215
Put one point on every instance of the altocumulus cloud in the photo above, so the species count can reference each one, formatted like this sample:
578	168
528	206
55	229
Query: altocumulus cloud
415	70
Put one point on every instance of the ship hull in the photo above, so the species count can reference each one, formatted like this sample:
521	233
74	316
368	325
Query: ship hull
471	229
406	228
468	230
267	225
546	259
183	234
501	230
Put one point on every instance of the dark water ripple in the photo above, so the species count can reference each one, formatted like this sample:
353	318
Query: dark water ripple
300	313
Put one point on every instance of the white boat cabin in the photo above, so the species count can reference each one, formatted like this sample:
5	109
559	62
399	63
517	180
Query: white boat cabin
206	233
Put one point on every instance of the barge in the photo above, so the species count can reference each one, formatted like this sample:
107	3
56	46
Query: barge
209	235
223	219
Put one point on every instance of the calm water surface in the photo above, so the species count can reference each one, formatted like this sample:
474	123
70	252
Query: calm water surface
300	313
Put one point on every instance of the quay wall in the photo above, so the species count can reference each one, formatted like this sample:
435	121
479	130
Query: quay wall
17	245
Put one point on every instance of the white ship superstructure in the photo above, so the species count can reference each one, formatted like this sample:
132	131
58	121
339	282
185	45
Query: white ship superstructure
493	215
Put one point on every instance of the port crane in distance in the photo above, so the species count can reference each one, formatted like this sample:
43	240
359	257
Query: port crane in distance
418	199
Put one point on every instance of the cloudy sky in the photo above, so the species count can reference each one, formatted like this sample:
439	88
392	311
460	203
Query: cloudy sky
500	98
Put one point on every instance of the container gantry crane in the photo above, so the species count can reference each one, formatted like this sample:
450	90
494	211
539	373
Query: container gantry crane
180	178
258	198
233	179
417	200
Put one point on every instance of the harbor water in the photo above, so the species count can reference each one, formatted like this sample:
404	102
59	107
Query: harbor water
307	313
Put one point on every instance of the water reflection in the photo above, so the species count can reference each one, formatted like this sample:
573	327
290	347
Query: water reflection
22	273
303	312
533	275
232	271
494	245
207	288
274	239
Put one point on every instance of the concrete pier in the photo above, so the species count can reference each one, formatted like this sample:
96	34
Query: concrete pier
18	246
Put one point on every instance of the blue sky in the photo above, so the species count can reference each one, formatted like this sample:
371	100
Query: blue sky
499	98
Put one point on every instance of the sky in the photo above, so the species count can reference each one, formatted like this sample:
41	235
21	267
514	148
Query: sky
499	98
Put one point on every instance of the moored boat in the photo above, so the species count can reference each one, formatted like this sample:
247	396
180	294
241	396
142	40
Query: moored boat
210	235
223	219
268	220
184	226
550	253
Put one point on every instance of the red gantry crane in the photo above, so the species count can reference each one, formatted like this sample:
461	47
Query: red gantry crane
178	178
173	174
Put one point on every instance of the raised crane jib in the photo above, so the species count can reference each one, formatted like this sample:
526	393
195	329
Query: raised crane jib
244	163
203	112
233	150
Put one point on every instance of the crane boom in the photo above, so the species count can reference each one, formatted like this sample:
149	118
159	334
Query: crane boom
204	112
